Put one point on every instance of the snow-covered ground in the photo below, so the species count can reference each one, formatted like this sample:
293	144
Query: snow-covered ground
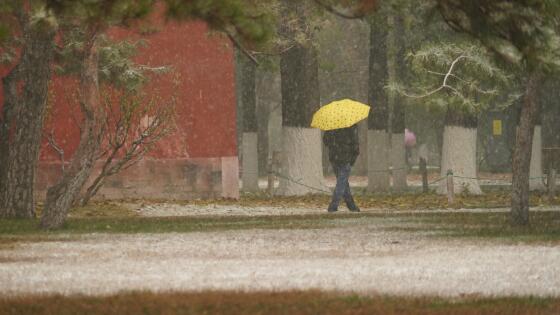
174	210
354	254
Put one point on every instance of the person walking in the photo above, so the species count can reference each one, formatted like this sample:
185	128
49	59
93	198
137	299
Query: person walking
343	149
338	120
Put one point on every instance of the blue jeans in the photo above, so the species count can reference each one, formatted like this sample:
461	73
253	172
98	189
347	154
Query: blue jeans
342	189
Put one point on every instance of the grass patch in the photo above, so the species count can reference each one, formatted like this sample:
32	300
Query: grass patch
293	303
120	217
388	201
16	230
397	201
544	227
99	209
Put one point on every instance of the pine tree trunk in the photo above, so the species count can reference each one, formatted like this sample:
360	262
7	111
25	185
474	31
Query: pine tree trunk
458	153
398	161
263	117
250	176
536	174
378	138
301	169
25	98
522	153
268	115
536	165
62	195
398	155
459	156
301	145
550	117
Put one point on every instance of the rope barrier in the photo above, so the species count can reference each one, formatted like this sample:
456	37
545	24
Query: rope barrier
382	171
387	171
305	185
482	178
437	180
464	177
299	183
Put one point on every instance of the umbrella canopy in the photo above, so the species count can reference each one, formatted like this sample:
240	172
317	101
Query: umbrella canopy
339	114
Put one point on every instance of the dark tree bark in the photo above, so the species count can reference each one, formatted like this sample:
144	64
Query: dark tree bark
459	118
398	150
299	69
378	76
62	195
268	101
398	119
301	145
263	115
300	85
250	167
248	94
378	121
522	153
21	123
550	118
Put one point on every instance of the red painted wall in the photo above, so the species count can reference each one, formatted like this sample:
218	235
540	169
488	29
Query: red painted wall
202	64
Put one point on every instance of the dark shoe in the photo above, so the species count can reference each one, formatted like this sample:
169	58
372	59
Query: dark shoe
332	209
354	209
352	206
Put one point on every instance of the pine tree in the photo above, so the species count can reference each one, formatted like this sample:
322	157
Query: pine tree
25	96
523	34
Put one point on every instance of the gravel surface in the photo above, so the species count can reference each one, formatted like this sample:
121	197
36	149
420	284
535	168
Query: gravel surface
173	210
355	254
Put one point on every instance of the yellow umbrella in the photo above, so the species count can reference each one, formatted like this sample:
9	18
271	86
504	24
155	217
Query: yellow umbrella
339	114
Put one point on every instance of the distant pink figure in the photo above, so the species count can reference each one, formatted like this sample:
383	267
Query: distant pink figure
409	138
409	143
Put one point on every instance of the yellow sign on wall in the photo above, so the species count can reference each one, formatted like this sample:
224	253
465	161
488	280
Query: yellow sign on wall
497	127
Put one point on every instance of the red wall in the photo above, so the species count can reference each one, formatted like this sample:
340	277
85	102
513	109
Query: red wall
203	66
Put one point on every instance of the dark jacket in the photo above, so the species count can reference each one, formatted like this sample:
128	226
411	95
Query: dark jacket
343	145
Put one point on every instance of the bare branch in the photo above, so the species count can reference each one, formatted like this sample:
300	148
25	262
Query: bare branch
269	53
451	68
53	144
444	84
354	13
422	95
132	138
241	48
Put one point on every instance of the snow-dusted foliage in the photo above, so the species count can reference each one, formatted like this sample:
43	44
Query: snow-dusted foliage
460	75
462	80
